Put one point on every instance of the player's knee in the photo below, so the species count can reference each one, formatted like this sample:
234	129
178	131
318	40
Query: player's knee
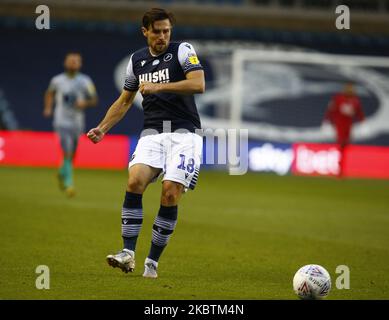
135	185
68	155
169	198
171	193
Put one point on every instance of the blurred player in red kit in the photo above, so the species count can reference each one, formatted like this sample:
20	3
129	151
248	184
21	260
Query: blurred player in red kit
343	109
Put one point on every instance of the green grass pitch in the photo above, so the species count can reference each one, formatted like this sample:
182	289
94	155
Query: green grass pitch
237	237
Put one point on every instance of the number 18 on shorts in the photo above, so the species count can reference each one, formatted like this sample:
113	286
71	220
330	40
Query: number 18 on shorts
177	154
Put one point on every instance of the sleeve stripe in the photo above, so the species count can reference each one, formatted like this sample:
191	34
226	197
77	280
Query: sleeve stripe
129	89
196	67
188	65
131	84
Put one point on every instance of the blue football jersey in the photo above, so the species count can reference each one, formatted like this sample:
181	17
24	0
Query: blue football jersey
170	66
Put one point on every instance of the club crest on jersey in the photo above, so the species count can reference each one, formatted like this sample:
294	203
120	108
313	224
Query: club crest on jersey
160	76
167	57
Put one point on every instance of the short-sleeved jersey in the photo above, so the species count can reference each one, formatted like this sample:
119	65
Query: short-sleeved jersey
170	66
67	91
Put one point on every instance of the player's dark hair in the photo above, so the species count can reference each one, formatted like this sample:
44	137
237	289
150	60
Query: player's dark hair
156	14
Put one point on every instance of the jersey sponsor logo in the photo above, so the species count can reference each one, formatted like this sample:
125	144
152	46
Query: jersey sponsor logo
155	62
69	99
167	57
194	60
157	76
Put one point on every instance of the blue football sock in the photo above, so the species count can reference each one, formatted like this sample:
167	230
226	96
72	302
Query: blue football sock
132	218
163	228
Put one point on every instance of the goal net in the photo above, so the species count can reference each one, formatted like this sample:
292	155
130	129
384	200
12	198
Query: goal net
282	96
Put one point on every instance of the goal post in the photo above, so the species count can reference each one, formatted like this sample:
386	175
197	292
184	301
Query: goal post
250	88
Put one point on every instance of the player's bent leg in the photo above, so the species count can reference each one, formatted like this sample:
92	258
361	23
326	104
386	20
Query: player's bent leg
171	193
164	225
68	178
63	137
342	160
68	139
140	176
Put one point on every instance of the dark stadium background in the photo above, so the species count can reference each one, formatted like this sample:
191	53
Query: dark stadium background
239	237
29	58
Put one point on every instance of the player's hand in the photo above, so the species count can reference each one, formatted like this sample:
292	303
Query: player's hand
81	104
95	135
149	87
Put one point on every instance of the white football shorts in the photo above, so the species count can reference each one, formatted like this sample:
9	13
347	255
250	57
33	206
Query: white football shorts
177	154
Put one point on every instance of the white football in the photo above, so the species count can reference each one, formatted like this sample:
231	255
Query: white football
312	282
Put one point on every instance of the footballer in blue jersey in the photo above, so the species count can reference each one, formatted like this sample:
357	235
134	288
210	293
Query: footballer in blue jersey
167	74
172	65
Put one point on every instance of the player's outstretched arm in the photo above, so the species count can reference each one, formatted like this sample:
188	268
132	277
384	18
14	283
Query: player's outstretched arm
114	114
194	83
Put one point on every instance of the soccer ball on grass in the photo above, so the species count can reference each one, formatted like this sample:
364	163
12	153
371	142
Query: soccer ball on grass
312	282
